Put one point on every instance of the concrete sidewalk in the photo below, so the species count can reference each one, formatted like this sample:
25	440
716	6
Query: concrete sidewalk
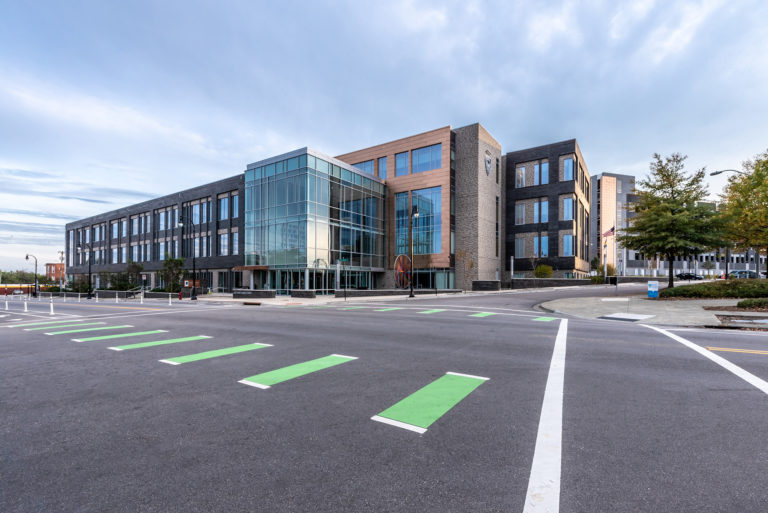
678	312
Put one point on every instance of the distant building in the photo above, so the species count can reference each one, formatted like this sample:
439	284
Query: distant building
55	271
612	196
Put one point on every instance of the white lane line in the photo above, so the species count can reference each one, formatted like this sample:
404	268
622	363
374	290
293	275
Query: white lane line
345	356
467	376
252	384
745	375
543	493
115	348
399	424
169	362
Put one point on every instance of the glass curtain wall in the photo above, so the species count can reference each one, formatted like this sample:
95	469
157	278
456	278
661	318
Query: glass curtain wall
305	213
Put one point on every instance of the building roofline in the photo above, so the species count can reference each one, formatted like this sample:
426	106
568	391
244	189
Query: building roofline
574	141
393	141
314	153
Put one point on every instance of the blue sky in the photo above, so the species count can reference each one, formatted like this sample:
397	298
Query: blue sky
104	104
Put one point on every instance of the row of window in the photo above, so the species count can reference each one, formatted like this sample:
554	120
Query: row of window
541	247
422	159
425	215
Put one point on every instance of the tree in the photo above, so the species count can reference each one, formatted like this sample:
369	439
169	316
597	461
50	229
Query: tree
171	273
746	206
671	219
134	273
594	264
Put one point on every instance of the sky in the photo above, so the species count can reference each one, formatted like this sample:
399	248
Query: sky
104	104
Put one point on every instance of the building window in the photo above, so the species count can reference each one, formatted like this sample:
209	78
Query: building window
135	253
196	214
453	242
235	243
235	206
544	246
124	227
568	169
135	226
541	211
114	256
401	223
366	166
223	209
426	159
544	173
114	230
401	164
519	213
520	248
223	244
123	255
428	227
536	246
567	245
497	170
383	168
520	177
567	209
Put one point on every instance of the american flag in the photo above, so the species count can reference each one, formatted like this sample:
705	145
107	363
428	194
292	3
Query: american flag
610	232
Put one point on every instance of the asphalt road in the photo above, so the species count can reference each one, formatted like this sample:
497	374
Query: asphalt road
576	416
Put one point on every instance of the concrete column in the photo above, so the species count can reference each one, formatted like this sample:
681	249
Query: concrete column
250	276
306	278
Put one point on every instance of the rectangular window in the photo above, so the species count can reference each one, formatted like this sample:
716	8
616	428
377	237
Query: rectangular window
366	166
161	221
401	164
536	173
568	169
114	256
520	248
519	213
223	244
161	250
123	255
236	205
124	227
135	253
544	206
520	177
535	211
544	173
196	214
427	227
401	223
383	168
567	245
568	209
135	226
536	246
197	247
223	209
235	243
544	246
497	170
114	230
426	159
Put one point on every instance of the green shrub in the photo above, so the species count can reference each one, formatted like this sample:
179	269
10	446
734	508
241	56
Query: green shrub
596	280
720	289
611	270
543	271
753	303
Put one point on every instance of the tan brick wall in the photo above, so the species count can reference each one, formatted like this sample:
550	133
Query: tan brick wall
607	217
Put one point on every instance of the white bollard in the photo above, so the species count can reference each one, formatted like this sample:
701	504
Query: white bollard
65	297
78	297
6	305
169	299
116	296
51	307
25	306
97	297
141	302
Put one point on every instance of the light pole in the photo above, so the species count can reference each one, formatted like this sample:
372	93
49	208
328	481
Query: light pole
414	217
61	273
27	258
183	218
715	173
88	247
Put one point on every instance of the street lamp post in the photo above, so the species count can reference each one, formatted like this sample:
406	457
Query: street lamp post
414	217
27	258
88	247
61	273
715	173
182	219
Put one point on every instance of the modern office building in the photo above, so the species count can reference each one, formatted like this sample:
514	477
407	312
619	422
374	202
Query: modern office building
311	221
453	179
548	210
201	225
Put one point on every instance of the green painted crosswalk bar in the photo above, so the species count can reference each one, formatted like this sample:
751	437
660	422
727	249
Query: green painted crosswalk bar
387	309
90	329
159	342
436	310
267	379
39	323
482	314
352	307
419	410
119	335
57	326
544	319
213	354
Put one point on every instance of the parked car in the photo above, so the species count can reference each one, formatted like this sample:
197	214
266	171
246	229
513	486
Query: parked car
742	274
688	276
18	291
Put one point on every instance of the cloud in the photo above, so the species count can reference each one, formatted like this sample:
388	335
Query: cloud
546	27
674	37
37	213
627	15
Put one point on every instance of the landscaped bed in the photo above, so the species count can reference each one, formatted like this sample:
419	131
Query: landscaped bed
753	288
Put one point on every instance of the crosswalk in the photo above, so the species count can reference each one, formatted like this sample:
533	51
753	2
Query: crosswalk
416	412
